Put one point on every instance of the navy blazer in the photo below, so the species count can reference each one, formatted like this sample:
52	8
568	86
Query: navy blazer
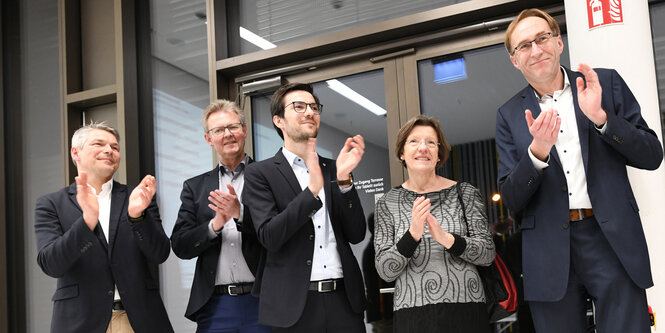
87	267
282	215
543	196
190	238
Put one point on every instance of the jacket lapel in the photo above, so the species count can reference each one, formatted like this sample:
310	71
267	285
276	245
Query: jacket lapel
118	198
530	102
284	167
327	181
583	122
98	229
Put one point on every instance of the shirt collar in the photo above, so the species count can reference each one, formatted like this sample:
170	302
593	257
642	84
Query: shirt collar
106	188
223	169
566	85
292	158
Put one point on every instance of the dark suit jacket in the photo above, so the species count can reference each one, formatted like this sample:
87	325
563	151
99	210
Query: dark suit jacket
87	267
190	238
543	196
281	212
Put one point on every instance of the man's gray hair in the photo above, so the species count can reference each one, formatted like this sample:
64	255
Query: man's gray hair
81	135
218	106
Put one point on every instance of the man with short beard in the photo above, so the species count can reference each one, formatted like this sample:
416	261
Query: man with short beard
306	212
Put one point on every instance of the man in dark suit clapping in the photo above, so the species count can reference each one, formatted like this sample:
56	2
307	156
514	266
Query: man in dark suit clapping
306	212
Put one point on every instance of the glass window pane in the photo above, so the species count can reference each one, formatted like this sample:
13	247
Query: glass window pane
180	94
657	13
463	91
279	22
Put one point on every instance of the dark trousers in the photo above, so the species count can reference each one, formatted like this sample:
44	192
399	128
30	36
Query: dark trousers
327	313
620	305
230	314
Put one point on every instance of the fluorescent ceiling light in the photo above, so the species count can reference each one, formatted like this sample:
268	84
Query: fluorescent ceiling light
355	97
255	39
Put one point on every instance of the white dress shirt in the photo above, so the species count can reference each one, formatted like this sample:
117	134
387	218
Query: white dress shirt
104	200
326	263
567	145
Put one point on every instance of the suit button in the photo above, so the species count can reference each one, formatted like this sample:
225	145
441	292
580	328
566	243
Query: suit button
211	272
311	237
350	205
309	263
197	244
530	183
565	225
110	292
564	188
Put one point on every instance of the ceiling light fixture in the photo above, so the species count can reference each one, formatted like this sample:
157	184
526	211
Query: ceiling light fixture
355	97
256	39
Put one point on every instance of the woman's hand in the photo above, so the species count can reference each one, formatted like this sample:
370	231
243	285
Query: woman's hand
419	213
444	238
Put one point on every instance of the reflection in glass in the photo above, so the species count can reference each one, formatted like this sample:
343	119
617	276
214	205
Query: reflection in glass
264	24
180	94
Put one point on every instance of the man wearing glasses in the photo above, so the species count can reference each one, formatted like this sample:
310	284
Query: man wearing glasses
564	143
306	211
215	226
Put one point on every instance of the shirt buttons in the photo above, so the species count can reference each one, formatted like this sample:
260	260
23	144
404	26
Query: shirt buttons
308	262
233	244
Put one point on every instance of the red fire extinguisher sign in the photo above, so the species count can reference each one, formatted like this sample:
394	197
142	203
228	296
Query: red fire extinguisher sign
604	12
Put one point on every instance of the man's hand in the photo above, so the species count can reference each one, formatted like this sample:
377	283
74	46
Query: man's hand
545	131
589	98
225	205
312	162
348	158
141	196
87	200
419	214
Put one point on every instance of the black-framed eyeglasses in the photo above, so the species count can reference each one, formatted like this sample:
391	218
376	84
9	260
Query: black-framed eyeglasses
301	107
233	128
539	40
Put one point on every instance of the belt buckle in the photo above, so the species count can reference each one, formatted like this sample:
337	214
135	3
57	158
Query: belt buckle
320	286
228	289
580	214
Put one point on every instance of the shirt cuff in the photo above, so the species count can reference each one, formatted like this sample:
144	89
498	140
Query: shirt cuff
538	164
601	129
242	212
211	232
407	245
458	246
345	190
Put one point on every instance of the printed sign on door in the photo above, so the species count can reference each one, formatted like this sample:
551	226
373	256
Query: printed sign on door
604	12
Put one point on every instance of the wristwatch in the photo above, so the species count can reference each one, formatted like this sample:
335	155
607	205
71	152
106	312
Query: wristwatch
346	182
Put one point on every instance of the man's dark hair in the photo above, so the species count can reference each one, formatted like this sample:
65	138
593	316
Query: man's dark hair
277	102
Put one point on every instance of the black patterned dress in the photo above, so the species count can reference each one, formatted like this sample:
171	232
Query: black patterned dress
436	290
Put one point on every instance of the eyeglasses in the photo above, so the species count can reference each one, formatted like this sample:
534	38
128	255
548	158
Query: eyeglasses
539	40
233	128
431	144
301	107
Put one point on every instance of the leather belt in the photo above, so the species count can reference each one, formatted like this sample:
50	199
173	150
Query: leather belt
580	214
325	286
234	289
117	306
